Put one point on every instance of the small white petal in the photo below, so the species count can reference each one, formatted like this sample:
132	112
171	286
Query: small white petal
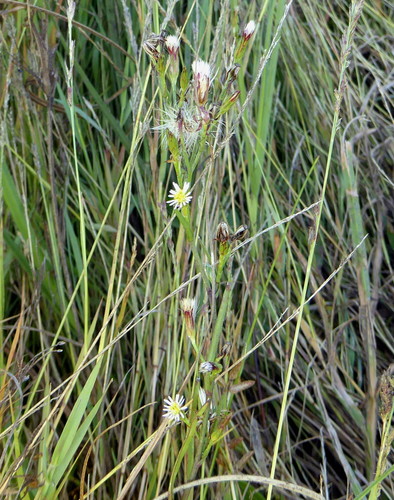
250	28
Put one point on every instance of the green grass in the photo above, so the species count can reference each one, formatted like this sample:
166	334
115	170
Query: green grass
295	317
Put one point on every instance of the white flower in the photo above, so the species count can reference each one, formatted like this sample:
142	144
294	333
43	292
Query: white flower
172	45
174	408
202	80
201	68
180	196
249	29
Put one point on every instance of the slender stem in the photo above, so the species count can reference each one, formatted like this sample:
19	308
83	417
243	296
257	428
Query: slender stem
355	13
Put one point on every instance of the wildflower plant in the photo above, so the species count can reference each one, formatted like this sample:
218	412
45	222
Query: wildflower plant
196	98
191	106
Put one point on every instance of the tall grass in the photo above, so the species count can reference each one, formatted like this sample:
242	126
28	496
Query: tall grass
291	320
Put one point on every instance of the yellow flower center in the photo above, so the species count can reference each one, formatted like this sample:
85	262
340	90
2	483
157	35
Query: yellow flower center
175	409
180	197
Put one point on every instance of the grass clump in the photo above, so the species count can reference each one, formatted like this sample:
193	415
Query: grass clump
196	250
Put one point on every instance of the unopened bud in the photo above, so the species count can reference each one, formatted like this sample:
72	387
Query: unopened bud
223	237
248	31
172	46
173	145
202	81
246	35
228	103
188	307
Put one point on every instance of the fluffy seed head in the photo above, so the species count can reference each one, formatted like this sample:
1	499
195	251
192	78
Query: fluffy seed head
183	123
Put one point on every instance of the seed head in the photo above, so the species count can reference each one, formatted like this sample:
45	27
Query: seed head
183	123
222	233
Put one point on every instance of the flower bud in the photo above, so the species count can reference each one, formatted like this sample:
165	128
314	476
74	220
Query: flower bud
172	46
202	81
188	307
228	103
184	80
223	237
248	31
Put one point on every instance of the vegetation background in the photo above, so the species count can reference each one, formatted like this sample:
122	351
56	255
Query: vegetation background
94	263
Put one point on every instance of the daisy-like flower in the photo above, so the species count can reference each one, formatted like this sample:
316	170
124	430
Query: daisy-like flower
249	29
174	409
202	80
180	196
